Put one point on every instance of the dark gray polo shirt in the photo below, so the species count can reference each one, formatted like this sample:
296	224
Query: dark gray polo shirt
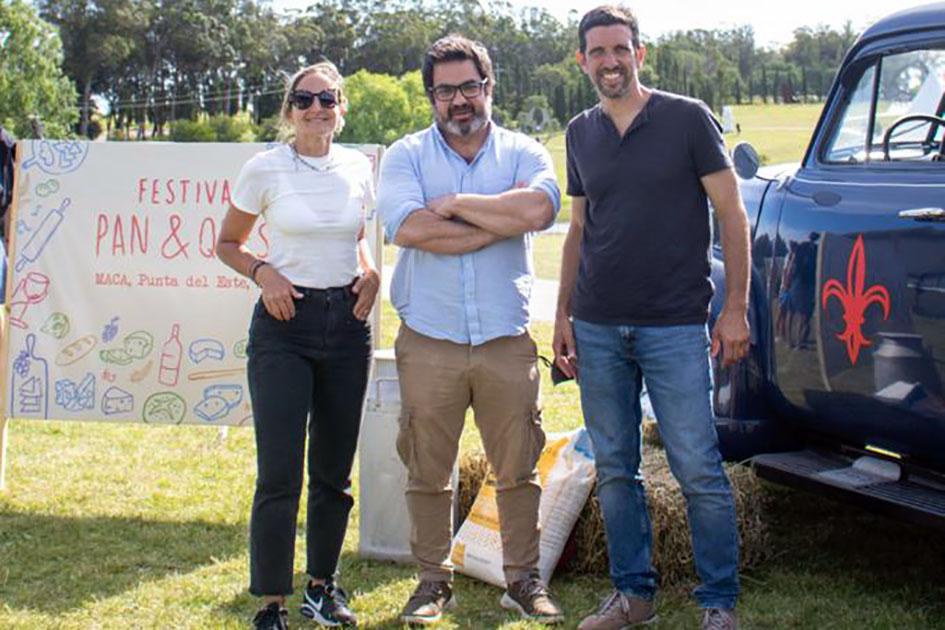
645	256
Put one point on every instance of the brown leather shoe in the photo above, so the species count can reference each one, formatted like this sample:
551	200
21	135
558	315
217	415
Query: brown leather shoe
531	599
427	603
619	612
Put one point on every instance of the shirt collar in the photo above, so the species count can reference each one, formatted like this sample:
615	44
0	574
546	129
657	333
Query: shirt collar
486	146
642	118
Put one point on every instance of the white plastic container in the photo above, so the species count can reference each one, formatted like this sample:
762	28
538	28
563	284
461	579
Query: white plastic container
384	523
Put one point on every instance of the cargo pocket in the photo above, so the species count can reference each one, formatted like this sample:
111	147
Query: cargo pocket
405	441
534	435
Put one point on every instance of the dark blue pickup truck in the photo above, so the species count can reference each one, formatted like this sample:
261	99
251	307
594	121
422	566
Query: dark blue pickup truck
843	391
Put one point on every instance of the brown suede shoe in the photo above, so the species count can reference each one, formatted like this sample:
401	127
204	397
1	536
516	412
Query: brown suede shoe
619	612
719	619
427	603
530	597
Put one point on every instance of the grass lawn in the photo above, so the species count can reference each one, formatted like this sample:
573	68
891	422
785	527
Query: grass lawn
555	146
130	526
118	526
547	254
780	133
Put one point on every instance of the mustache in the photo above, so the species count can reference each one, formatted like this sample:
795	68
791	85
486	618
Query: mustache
461	109
618	69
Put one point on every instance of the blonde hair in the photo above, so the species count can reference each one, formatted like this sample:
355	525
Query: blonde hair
328	70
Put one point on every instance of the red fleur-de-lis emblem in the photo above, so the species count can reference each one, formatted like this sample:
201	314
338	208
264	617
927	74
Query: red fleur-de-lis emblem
855	300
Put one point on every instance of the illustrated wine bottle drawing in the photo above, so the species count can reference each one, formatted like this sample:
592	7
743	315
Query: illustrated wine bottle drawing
172	353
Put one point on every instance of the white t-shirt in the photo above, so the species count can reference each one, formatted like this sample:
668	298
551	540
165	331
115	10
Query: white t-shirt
314	208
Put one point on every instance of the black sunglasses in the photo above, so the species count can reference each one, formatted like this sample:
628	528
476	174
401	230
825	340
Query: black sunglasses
303	99
470	89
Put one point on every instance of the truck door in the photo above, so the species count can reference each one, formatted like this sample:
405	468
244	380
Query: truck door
859	319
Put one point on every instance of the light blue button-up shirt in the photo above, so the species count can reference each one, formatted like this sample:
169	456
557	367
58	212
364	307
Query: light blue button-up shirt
467	298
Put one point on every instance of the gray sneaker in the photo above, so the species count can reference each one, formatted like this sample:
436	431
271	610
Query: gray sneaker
428	602
619	612
531	599
719	619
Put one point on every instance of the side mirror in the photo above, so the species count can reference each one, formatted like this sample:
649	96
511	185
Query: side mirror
746	160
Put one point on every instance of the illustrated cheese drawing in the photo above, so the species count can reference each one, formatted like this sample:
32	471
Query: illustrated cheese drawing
239	348
57	325
115	355
138	344
218	401
72	397
32	388
116	400
211	408
232	394
76	350
204	349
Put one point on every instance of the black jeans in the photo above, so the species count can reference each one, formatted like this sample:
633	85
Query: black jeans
311	370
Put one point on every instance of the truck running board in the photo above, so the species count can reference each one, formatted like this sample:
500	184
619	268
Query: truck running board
869	482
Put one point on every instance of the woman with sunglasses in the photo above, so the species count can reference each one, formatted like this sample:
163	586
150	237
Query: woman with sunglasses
309	341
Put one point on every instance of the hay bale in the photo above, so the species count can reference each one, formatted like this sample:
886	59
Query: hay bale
672	550
473	469
651	434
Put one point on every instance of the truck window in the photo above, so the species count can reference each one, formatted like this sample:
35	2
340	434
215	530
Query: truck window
908	83
849	140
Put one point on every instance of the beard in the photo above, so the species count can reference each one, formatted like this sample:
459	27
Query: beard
611	91
478	120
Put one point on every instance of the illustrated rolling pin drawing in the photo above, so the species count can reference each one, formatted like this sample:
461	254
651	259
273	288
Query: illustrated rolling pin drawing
40	237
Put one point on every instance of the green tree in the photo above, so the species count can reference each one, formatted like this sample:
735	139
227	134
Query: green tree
31	80
393	41
97	38
378	110
417	101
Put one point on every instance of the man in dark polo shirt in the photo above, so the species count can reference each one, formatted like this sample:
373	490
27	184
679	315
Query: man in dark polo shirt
633	305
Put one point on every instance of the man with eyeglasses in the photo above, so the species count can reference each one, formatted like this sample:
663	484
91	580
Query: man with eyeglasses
462	199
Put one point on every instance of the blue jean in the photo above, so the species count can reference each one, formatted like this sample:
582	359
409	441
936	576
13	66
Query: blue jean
614	361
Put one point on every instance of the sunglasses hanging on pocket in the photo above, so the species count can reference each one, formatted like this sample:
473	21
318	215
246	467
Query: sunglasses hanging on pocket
557	376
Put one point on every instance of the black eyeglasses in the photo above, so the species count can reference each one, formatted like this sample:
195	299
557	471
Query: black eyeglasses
470	89
303	99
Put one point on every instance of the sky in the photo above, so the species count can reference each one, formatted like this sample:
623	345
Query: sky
774	21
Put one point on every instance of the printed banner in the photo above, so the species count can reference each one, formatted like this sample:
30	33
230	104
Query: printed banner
118	307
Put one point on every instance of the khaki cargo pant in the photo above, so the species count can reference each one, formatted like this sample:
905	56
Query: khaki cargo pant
439	380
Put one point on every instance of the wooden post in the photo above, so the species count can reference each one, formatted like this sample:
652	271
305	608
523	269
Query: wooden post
376	241
3	453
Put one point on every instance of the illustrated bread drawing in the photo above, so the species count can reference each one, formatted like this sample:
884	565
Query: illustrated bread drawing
76	350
